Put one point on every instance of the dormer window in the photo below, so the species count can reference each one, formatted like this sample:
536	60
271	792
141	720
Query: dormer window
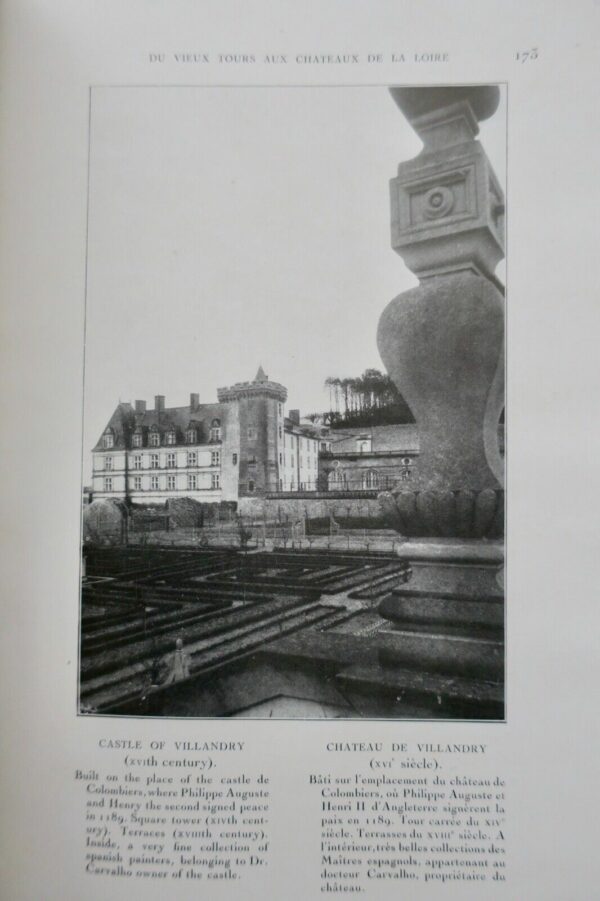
170	437
137	439
215	430
108	439
154	437
191	436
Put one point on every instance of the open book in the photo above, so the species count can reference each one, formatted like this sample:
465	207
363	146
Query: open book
297	309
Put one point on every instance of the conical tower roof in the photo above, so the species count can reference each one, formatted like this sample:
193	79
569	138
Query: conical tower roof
260	375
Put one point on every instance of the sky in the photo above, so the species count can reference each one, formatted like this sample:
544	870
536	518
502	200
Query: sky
232	227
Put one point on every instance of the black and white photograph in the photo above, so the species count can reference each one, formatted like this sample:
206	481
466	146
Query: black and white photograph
294	420
299	362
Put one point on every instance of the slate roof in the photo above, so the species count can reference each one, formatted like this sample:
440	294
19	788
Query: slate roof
125	421
301	428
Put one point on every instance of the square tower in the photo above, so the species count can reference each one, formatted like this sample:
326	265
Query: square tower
259	406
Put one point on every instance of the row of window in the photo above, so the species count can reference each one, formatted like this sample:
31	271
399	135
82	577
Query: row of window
337	479
303	486
192	483
309	463
192	460
369	479
171	460
302	442
154	438
191	437
291	485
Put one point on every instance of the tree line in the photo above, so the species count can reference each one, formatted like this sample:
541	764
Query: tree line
368	399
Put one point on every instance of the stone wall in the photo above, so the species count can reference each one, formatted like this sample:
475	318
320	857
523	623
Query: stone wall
273	509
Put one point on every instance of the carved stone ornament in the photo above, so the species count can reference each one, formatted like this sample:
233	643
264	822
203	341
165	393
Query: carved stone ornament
443	341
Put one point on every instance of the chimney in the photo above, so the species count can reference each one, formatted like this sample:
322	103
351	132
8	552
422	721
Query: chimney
140	406
159	403
294	416
194	402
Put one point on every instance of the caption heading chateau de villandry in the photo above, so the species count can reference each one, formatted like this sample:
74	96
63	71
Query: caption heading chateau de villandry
243	560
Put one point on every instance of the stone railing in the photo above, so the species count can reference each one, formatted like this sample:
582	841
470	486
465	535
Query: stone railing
323	494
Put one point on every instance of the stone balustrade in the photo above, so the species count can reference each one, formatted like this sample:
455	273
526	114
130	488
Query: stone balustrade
461	513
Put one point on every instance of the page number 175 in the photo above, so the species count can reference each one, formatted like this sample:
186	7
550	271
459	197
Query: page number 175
527	56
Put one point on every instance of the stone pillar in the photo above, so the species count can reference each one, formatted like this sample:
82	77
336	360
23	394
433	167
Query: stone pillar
442	342
443	345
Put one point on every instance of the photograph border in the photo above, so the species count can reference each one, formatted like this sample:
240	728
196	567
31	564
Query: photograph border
319	720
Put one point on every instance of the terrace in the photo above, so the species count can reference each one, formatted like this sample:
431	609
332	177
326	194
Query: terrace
264	631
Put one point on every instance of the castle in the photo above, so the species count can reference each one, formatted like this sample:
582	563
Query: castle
241	446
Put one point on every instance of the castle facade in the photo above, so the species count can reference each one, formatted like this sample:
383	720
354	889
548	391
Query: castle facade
241	446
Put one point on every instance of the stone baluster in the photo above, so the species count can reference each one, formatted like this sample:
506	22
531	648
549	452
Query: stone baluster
442	342
443	345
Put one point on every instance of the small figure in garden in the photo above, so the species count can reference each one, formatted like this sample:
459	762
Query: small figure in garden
177	664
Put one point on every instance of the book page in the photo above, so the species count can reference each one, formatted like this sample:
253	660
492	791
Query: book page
298	350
